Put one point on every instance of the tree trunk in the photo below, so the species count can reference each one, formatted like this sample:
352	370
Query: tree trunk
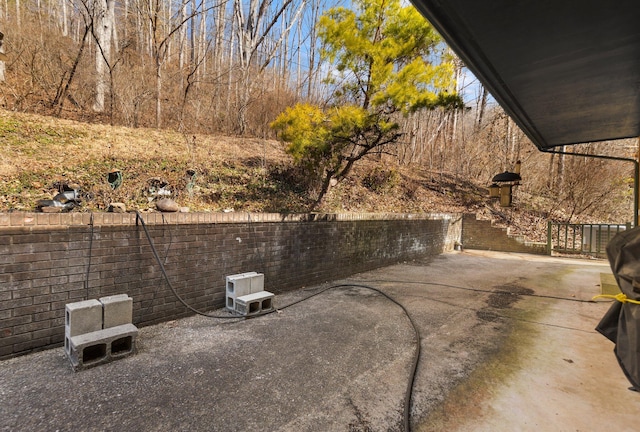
299	62
315	8
202	41
550	180
103	28
244	97
98	103
65	20
158	92
182	35
60	97
218	55
324	190
111	17
140	32
482	106
194	32
282	57
125	14
2	57
560	178
230	71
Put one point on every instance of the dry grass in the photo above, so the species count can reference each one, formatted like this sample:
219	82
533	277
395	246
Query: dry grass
39	153
244	174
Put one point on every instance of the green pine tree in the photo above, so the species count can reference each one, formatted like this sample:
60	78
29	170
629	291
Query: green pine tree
387	59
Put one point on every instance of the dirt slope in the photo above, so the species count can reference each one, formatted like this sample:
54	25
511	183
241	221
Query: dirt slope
211	173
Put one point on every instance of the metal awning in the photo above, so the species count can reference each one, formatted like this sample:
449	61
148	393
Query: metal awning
567	72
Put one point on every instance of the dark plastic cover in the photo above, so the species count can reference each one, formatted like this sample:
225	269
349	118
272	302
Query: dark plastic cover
621	323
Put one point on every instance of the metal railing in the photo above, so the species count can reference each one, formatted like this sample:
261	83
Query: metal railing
583	239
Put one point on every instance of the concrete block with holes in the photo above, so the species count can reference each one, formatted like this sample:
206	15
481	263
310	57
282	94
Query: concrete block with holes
255	303
239	285
102	346
98	332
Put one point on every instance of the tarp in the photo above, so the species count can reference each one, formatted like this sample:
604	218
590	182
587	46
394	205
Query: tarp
621	323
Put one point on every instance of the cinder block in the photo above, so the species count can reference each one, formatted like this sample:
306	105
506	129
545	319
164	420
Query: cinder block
257	282
254	304
83	317
117	310
102	346
238	285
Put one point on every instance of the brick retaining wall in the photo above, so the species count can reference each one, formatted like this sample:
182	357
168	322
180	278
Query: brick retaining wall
481	234
48	260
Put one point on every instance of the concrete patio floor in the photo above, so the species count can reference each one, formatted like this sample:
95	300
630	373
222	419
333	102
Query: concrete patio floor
505	346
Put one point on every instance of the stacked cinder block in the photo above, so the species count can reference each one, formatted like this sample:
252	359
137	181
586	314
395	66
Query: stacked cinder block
237	286
246	295
99	331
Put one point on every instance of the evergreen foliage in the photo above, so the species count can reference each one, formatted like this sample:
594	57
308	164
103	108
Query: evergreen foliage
387	59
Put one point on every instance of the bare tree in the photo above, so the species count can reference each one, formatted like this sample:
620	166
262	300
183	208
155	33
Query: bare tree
63	89
161	33
254	24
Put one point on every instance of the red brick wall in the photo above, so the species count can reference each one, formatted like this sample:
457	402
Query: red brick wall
49	260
